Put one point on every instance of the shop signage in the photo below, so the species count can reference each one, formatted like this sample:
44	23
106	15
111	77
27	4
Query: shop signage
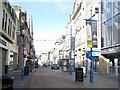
25	50
110	50
2	42
89	43
94	53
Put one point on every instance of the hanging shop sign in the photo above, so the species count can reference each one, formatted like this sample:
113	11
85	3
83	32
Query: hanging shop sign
94	33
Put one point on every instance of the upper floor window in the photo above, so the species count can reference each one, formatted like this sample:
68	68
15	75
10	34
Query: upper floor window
9	27
6	23
13	32
3	19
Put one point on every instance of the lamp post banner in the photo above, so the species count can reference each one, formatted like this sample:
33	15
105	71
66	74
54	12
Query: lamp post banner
89	43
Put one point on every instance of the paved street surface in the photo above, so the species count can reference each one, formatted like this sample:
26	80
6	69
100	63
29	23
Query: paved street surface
18	82
44	77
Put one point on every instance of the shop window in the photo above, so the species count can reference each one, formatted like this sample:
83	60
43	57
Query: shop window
116	29
109	32
107	10
116	8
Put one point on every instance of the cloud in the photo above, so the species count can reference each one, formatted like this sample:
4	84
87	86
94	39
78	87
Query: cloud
63	6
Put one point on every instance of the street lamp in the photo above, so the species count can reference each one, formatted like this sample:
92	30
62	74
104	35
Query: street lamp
71	50
22	46
63	41
91	63
91	68
20	33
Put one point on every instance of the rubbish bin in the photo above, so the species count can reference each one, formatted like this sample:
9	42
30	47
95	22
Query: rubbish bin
78	74
6	69
84	71
7	81
26	70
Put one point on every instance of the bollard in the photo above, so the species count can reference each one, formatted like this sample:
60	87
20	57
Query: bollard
116	66
108	66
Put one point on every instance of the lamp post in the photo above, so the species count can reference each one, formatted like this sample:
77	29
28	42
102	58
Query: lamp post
71	50
91	68
22	54
22	68
21	47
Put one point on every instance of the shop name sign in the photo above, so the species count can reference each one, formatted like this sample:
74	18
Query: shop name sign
109	50
2	42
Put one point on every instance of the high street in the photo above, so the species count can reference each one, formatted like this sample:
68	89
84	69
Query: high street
44	77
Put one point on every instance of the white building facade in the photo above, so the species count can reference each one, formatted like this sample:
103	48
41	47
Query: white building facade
8	43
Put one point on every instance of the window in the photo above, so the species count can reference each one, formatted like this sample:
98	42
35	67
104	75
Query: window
102	36
118	28
115	30
111	24
107	10
3	19
108	32
6	23
13	32
9	27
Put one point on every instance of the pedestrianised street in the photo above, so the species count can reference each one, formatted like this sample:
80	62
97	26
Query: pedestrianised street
79	38
44	77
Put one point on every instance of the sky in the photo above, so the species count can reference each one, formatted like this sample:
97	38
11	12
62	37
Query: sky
49	18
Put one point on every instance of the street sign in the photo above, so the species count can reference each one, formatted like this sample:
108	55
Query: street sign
89	43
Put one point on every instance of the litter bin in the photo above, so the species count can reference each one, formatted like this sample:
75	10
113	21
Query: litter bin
7	81
6	69
26	70
84	71
78	74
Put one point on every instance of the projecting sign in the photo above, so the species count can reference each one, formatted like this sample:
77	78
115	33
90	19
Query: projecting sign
89	43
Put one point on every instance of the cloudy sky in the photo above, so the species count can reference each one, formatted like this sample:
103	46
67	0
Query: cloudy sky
49	17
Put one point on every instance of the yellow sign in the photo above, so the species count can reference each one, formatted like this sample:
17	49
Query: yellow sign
89	43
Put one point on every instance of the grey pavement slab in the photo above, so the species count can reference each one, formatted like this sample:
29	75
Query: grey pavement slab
36	78
47	78
18	81
99	80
